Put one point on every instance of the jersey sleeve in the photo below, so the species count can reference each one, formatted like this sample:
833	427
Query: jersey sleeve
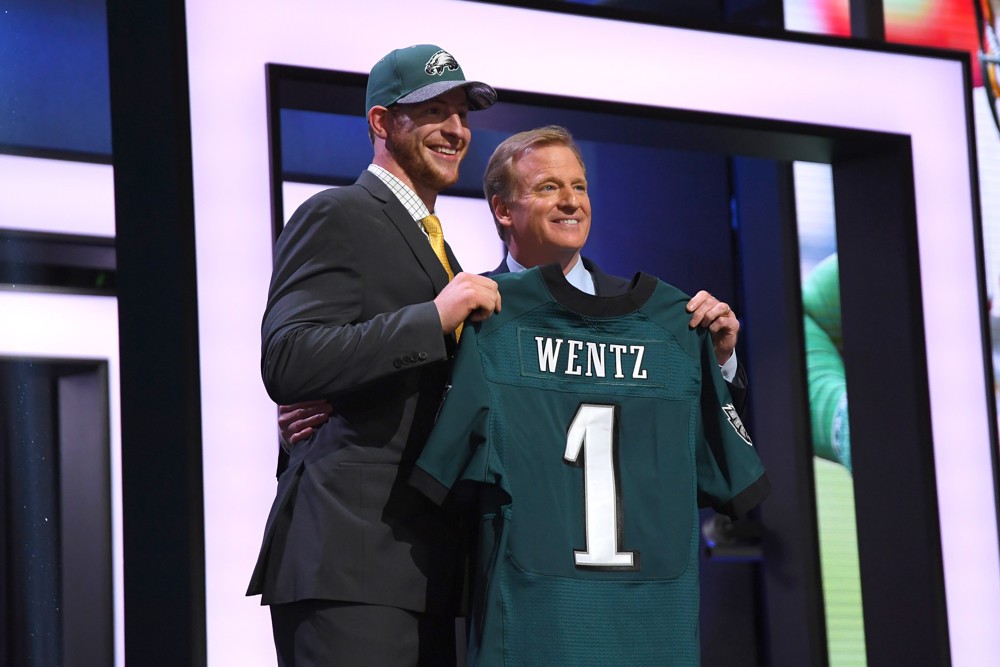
731	477
459	445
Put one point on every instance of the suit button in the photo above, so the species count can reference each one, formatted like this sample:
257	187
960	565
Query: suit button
398	363
422	356
413	356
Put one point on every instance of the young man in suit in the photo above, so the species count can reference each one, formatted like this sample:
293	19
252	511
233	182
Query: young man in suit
535	183
356	566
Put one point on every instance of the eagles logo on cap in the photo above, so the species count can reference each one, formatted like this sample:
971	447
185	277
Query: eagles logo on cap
420	73
439	62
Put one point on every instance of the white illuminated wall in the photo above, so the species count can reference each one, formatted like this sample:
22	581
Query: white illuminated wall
73	326
67	326
85	204
229	44
466	223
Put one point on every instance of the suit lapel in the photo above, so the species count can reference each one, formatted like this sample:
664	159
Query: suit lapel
410	231
455	266
503	268
605	284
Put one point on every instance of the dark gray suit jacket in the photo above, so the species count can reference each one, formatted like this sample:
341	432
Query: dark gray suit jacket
350	317
606	284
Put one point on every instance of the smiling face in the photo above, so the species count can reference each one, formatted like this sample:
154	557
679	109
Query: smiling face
548	217
425	142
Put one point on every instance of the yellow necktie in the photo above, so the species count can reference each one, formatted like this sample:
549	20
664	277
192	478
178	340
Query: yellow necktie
433	228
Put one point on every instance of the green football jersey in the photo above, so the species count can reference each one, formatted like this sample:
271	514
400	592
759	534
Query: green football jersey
592	427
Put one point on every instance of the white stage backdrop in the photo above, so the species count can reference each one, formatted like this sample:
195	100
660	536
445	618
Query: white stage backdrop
229	43
69	327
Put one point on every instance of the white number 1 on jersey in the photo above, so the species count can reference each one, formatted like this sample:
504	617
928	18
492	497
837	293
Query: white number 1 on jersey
594	430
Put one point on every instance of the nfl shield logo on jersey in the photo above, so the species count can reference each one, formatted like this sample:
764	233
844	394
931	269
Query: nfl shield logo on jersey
736	422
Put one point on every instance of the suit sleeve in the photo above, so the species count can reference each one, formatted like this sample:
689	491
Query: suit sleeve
314	340
731	477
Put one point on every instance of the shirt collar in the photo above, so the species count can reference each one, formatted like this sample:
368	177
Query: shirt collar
404	193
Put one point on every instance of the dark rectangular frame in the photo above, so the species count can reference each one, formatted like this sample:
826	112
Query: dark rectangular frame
898	535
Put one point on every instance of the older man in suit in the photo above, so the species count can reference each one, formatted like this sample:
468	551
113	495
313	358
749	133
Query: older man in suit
536	185
363	307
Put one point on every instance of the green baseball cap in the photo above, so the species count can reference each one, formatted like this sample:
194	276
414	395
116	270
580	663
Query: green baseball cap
420	73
